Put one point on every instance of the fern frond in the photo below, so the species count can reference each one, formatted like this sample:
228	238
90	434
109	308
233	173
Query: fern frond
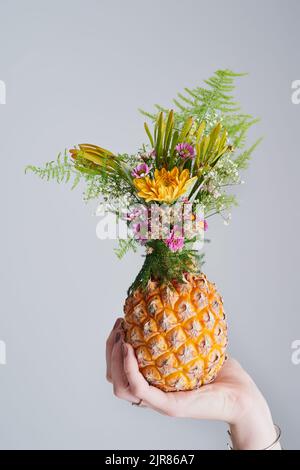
212	104
151	116
205	103
125	246
242	160
61	170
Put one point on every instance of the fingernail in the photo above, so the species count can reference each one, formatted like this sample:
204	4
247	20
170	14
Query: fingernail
117	322
125	349
118	336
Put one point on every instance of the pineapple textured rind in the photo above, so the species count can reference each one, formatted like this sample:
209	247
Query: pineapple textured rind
178	332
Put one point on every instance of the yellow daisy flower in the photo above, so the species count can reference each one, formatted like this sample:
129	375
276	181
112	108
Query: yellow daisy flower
166	186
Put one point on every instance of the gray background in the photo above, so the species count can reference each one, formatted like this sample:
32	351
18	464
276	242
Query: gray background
77	71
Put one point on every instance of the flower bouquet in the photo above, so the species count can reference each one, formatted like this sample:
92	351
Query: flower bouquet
174	317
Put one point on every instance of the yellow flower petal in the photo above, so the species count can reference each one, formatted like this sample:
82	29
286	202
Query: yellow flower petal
166	186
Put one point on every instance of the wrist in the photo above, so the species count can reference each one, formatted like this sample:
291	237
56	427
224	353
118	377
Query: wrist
253	428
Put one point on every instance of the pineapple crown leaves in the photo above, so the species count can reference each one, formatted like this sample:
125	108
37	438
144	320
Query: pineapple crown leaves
164	266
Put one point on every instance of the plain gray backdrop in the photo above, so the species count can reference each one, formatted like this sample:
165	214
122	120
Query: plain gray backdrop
76	71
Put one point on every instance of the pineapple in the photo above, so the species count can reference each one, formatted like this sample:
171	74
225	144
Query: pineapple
178	332
174	317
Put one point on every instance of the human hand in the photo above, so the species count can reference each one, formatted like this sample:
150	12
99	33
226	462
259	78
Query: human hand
233	397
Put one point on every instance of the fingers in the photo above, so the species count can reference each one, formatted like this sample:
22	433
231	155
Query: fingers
109	347
137	383
114	363
119	379
204	403
139	387
129	384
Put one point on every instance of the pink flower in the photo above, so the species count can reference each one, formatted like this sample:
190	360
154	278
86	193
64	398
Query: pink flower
185	151
203	225
175	241
153	154
140	231
133	214
145	156
141	170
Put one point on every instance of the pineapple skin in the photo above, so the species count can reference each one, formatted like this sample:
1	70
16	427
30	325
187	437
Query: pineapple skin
178	332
